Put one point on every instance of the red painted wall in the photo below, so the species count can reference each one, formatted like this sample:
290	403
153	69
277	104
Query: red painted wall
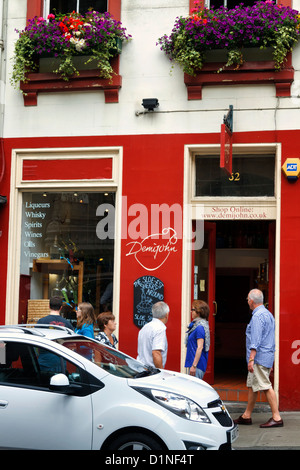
289	358
153	173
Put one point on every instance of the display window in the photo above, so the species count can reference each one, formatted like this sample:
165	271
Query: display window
67	250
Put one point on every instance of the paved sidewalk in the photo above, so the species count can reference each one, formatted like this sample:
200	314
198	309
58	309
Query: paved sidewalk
254	437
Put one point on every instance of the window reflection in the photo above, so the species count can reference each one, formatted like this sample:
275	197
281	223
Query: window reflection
81	6
61	252
111	360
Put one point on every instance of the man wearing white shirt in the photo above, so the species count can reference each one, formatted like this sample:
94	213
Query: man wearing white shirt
152	339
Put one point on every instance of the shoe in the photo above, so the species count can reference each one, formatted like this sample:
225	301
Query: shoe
272	424
242	420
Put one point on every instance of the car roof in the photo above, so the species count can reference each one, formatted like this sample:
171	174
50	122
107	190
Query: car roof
51	332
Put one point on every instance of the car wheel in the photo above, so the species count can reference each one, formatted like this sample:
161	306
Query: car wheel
135	441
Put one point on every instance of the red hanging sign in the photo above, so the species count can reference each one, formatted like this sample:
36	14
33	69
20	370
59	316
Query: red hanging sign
226	149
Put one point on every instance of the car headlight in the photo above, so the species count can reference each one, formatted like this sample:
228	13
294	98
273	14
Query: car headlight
178	404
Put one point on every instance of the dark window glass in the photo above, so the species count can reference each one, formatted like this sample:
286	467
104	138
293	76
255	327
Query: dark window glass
229	3
67	6
252	176
29	366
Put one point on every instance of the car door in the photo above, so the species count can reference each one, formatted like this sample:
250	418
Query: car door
31	415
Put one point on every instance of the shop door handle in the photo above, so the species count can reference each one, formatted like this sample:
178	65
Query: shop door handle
216	308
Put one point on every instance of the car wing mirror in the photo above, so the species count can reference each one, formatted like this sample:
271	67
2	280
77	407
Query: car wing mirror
59	383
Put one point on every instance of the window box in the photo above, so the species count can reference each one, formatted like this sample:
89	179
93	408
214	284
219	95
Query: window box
250	72
45	80
263	24
87	80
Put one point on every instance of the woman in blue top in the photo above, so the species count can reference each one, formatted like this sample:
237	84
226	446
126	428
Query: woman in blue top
85	320
198	339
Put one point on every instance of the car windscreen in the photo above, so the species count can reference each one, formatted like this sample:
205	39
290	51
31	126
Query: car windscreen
109	359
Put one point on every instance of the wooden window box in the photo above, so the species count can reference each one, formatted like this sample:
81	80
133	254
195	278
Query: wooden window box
87	80
250	73
257	73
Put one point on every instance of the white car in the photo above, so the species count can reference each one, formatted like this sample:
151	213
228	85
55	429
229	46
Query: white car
59	390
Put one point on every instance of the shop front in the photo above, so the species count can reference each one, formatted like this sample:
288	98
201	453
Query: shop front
239	210
83	219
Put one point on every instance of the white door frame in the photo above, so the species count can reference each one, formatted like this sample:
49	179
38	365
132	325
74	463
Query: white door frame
195	205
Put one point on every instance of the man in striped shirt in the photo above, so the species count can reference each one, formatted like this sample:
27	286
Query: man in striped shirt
260	350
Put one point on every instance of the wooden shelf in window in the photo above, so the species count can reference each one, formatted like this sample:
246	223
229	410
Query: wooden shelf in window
54	266
50	265
250	73
87	80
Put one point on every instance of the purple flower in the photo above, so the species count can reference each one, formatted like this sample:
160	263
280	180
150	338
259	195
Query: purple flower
54	35
94	34
263	24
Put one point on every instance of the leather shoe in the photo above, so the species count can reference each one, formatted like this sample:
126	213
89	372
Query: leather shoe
242	420
272	424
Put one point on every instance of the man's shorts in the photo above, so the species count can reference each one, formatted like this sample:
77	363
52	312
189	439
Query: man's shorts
259	379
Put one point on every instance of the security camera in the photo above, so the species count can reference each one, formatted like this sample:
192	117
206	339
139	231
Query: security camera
150	103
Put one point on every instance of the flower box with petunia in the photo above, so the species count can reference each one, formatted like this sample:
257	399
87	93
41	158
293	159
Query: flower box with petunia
94	37
263	25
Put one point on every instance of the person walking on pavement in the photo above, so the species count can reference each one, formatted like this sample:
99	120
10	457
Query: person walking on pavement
198	340
260	349
152	338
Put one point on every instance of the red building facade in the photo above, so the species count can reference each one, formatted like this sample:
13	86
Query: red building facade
158	196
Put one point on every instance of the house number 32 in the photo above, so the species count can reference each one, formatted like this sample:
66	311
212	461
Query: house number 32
234	177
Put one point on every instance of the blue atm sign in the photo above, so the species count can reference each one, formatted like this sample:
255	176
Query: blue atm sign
291	169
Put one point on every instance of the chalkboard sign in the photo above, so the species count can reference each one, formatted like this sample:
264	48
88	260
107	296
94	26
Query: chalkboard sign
147	291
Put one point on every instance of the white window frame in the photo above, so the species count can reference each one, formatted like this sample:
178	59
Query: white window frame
19	186
191	206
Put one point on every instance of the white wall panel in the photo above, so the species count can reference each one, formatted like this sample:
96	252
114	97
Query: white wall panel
145	73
